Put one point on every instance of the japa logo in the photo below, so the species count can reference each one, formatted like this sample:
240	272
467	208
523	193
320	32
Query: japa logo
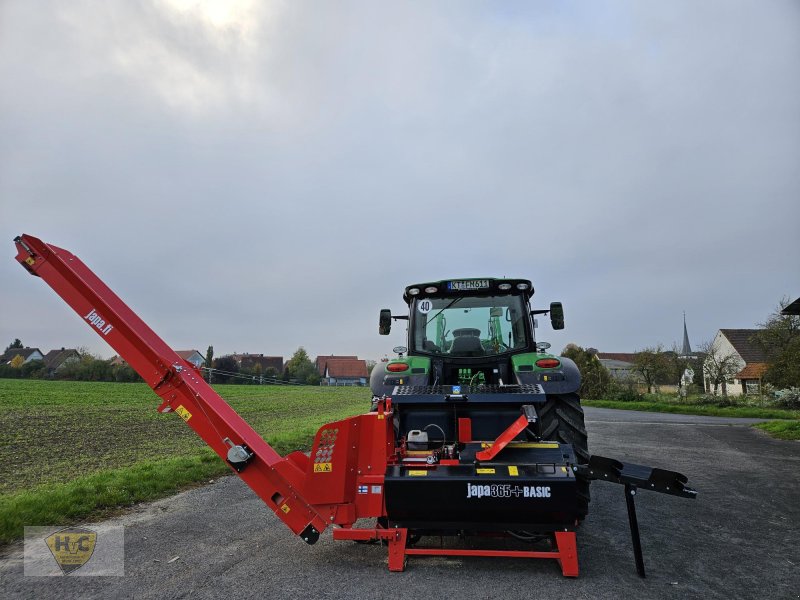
72	547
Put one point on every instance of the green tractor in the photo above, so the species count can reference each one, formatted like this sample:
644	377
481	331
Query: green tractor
472	362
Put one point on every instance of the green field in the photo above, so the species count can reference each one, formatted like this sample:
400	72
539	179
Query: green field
70	450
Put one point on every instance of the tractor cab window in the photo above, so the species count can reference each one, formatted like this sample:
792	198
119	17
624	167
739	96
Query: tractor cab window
469	325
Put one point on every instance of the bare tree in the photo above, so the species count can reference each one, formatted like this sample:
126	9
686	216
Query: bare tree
719	367
653	365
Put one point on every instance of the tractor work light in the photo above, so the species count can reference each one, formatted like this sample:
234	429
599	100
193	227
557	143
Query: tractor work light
548	363
413	291
397	367
504	286
522	286
431	290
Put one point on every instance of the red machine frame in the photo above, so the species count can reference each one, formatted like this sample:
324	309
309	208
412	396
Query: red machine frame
340	482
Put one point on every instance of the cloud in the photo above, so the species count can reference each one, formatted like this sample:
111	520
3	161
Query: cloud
265	175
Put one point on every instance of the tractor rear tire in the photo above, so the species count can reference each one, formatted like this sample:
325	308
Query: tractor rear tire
561	420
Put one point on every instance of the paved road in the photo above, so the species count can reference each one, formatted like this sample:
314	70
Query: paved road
739	539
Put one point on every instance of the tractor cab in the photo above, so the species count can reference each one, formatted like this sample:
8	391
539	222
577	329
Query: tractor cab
469	329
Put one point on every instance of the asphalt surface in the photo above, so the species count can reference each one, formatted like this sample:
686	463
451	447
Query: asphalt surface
739	539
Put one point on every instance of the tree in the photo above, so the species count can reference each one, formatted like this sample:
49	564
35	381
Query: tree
17	361
209	362
15	344
780	340
227	364
719	367
653	365
301	368
595	378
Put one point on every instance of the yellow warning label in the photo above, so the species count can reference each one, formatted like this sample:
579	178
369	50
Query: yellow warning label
323	467
484	471
513	471
421	473
564	469
183	413
285	508
380	417
30	260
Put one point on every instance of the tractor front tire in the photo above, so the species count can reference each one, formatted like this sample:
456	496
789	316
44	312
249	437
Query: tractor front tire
561	420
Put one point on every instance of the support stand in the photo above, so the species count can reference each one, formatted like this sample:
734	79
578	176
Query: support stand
564	542
630	492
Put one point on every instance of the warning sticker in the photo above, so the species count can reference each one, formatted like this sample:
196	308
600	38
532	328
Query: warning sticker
285	508
421	473
323	467
484	471
424	306
512	470
184	414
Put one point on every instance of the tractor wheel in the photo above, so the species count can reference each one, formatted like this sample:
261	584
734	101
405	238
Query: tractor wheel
561	420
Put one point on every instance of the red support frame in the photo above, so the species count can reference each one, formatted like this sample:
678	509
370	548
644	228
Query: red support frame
564	543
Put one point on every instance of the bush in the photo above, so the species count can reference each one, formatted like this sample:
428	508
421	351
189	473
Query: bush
623	392
789	398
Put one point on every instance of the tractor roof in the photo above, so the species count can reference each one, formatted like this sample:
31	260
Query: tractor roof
468	287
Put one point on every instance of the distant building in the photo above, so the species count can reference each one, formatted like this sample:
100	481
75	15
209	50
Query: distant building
344	371
749	355
619	364
27	354
192	356
251	361
56	360
322	361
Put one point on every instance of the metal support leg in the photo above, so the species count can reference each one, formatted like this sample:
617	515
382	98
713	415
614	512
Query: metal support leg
630	492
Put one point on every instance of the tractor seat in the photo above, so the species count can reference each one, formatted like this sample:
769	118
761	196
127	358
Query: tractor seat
467	345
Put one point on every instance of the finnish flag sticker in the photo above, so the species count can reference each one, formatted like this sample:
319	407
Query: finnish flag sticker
363	489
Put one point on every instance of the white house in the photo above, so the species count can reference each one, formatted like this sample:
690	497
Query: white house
27	354
749	358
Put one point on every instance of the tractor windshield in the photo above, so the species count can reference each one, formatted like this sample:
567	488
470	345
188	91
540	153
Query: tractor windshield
469	325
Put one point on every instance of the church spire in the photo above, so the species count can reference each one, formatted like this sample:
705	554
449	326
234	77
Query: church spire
687	349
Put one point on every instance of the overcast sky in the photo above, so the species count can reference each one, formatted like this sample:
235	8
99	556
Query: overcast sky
264	175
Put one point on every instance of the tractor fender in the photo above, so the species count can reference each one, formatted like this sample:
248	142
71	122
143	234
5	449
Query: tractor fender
382	383
376	380
571	382
566	379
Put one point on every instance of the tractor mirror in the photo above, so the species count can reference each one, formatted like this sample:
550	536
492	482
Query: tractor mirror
385	322
557	315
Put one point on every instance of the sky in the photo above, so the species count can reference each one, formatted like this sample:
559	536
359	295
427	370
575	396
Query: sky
267	175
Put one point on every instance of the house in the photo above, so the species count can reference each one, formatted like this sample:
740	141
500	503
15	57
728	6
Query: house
251	361
749	359
792	309
344	371
56	360
619	364
192	356
321	361
27	354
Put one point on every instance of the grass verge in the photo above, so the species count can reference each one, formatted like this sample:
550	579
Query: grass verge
750	412
782	430
100	494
